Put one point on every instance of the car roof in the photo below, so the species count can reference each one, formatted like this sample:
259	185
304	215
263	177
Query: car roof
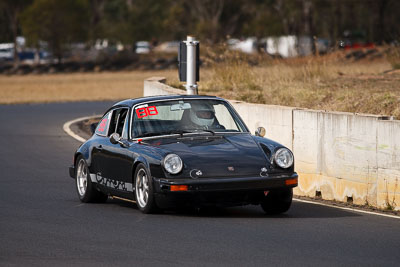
134	101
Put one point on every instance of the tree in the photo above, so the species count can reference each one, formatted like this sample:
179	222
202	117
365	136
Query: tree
96	16
147	20
213	20
128	21
208	14
266	18
13	9
115	22
56	22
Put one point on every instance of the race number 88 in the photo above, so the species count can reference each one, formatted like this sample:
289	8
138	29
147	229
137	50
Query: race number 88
148	111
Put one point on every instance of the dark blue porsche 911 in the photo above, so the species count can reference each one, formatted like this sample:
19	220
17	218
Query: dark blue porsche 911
172	151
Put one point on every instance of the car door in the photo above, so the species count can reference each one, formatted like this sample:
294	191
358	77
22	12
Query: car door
116	160
97	144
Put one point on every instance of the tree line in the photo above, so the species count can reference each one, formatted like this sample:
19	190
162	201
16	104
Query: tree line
61	22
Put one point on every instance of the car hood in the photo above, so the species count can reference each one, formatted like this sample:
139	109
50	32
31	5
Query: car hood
217	156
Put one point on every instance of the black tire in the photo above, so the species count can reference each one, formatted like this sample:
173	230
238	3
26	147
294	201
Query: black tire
144	192
84	187
277	201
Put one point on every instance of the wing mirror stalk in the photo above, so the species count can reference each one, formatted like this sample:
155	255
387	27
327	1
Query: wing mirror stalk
260	132
116	139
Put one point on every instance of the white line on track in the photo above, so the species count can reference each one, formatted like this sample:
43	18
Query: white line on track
345	208
67	129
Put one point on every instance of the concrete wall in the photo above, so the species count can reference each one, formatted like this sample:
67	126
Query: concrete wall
157	86
342	156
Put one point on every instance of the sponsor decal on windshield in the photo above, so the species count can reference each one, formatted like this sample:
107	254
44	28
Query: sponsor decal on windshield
146	111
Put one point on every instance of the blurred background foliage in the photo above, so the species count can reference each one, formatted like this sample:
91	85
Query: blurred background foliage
98	36
63	21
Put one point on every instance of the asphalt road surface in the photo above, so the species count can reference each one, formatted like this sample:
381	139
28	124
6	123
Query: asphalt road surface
43	223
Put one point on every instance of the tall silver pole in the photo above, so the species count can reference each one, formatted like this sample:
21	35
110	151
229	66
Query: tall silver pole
191	86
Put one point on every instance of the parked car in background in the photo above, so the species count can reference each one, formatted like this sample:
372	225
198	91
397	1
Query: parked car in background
168	47
354	40
142	47
170	151
248	45
6	51
26	55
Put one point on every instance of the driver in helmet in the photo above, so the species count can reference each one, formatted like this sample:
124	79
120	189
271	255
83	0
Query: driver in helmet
202	114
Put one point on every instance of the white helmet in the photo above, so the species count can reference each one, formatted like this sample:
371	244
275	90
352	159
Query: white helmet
202	114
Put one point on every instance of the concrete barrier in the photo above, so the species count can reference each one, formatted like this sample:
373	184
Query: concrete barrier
339	156
157	86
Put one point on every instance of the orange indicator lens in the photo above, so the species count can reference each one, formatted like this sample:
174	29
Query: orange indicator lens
291	181
179	187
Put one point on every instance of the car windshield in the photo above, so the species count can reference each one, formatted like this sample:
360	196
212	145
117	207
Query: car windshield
185	116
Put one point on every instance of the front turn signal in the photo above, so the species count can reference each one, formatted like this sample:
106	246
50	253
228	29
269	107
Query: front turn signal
291	181
179	188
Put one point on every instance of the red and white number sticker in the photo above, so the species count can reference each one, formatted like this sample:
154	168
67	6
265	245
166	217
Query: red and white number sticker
146	111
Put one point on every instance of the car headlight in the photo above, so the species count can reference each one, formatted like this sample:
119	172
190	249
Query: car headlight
172	163
284	158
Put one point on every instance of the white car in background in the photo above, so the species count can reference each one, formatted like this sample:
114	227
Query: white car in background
6	51
168	47
142	47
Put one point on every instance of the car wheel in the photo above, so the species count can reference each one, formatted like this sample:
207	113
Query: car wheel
144	190
277	201
84	186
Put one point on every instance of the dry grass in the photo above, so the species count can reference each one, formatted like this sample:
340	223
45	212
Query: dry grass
326	83
75	87
393	56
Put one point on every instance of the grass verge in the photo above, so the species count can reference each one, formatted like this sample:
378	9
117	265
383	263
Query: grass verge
32	88
358	82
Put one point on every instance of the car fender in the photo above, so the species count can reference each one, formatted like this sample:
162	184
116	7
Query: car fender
270	144
270	147
85	150
139	160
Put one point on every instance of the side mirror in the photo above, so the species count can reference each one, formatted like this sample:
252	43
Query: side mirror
260	131
115	139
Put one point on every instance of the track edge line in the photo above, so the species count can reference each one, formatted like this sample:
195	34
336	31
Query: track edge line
67	127
346	208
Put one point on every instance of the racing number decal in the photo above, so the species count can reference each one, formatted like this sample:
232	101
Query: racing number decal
147	111
103	125
152	110
141	112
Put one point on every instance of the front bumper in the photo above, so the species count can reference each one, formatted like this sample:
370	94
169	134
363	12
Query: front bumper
227	184
222	192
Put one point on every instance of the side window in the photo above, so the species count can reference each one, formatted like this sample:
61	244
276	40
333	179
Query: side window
118	121
102	127
121	121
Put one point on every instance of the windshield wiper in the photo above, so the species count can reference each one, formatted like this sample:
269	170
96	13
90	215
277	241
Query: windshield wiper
204	130
164	133
147	134
181	132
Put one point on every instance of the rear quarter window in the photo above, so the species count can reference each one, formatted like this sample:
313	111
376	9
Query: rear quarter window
102	127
